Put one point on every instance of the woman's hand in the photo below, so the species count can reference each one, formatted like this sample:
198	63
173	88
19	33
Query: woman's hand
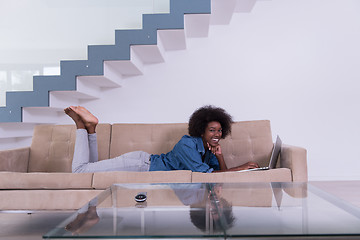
248	165
216	150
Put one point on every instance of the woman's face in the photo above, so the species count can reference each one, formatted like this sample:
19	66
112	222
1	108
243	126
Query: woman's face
212	134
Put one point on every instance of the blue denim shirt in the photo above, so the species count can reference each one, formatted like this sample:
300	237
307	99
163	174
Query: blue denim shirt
186	155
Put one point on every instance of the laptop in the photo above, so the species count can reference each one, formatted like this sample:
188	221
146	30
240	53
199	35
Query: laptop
273	159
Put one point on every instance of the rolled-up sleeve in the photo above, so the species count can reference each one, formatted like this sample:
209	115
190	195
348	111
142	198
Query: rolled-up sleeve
187	153
210	170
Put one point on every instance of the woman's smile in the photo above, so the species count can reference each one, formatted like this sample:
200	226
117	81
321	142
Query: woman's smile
212	134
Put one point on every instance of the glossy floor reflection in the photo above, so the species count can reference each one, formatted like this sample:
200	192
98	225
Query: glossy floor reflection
345	190
29	225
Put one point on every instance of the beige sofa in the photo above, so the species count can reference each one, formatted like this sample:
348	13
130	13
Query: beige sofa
39	177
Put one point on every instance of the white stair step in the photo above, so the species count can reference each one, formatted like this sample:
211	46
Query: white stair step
102	81
126	68
89	90
44	115
85	91
197	25
222	11
173	39
115	78
15	130
61	100
76	95
110	79
149	53
244	6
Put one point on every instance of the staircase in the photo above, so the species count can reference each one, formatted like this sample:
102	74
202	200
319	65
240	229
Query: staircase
108	66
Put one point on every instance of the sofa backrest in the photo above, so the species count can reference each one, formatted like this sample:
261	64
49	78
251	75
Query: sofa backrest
249	140
151	138
52	147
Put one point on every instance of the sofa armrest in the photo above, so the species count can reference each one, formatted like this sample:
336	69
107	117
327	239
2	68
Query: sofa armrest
294	158
14	160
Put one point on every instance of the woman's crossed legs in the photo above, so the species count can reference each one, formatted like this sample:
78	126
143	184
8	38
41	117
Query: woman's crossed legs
85	154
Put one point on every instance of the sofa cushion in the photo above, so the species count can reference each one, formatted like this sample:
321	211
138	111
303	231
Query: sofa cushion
45	199
52	147
15	160
272	175
14	180
151	138
103	180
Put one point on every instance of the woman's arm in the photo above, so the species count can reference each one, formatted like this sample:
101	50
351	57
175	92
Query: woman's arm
218	154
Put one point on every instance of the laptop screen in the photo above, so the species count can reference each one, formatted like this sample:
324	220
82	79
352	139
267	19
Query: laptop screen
275	153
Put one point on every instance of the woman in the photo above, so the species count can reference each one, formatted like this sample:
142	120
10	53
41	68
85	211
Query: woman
205	199
199	152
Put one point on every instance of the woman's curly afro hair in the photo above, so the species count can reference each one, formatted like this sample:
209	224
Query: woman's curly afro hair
201	117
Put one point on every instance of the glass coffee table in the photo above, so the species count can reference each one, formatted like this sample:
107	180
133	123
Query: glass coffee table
212	210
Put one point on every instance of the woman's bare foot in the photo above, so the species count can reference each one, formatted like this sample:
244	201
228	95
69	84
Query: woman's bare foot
83	221
78	121
89	120
91	218
75	224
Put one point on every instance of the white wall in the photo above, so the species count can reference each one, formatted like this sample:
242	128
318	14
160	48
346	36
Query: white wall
294	62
